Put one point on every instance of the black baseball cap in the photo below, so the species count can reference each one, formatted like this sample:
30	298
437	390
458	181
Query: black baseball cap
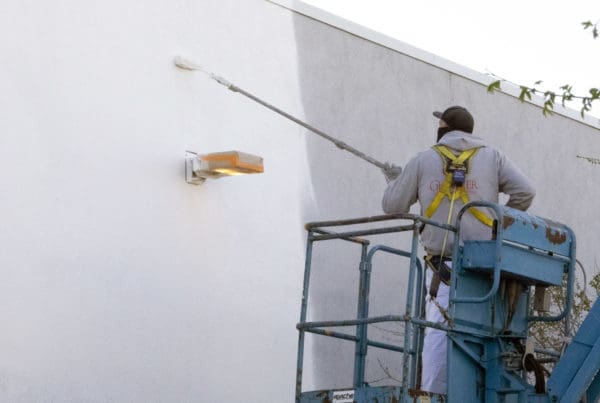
458	118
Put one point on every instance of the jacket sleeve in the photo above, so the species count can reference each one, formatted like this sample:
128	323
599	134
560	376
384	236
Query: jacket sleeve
402	192
515	184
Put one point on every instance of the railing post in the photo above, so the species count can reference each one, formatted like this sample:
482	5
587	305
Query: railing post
408	328
360	354
303	309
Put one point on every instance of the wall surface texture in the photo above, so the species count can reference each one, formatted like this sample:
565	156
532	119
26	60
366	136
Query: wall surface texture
123	283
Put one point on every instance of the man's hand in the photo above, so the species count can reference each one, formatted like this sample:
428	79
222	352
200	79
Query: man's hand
391	171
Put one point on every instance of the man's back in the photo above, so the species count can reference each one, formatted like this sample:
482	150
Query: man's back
459	169
488	173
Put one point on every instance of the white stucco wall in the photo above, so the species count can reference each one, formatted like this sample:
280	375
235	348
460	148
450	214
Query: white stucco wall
121	282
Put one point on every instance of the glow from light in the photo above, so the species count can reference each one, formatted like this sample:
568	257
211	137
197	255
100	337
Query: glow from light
217	165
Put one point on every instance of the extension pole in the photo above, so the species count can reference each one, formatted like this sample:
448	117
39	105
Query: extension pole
186	65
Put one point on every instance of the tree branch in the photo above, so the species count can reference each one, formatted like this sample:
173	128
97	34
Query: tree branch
549	97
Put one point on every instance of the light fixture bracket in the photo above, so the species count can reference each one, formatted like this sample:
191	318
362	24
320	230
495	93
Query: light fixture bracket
192	163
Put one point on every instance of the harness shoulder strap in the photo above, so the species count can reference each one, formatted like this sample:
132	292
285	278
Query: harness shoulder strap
457	159
446	190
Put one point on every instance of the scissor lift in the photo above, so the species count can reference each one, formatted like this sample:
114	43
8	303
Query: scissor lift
488	326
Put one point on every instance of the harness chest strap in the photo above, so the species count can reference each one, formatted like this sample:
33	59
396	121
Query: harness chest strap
446	189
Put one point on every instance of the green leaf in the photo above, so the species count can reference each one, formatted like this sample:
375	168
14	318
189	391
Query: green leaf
495	86
548	108
587	24
566	88
525	93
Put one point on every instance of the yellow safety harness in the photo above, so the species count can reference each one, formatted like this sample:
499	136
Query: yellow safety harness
455	168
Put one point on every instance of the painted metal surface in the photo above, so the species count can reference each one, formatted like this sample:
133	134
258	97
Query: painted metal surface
361	392
490	315
578	371
525	240
486	361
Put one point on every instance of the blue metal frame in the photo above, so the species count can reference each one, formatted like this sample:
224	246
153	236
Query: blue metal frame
321	231
481	347
500	242
527	250
578	373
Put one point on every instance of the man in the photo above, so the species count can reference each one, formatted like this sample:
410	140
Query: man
458	169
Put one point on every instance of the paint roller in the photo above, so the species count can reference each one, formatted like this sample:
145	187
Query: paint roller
188	65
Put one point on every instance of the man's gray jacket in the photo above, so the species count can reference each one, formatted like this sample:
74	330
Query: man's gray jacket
490	172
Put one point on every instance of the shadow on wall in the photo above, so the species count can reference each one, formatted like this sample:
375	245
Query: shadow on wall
374	99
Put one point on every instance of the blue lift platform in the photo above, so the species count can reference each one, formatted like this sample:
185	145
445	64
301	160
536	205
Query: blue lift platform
487	331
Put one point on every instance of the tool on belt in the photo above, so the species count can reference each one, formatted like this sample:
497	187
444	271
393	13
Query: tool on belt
441	272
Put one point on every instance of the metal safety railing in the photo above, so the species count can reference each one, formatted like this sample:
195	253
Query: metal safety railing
414	325
530	249
564	256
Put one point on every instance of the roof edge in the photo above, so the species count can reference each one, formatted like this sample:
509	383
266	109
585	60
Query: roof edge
396	45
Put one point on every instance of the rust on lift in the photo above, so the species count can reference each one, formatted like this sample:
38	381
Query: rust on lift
507	221
416	394
556	237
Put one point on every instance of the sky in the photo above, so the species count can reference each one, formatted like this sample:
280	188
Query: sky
520	41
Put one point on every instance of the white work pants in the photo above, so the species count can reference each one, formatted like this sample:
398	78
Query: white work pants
435	343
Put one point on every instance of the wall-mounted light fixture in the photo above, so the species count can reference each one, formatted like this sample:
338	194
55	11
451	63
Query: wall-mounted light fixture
216	165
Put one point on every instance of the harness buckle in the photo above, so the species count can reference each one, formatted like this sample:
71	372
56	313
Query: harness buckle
458	171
